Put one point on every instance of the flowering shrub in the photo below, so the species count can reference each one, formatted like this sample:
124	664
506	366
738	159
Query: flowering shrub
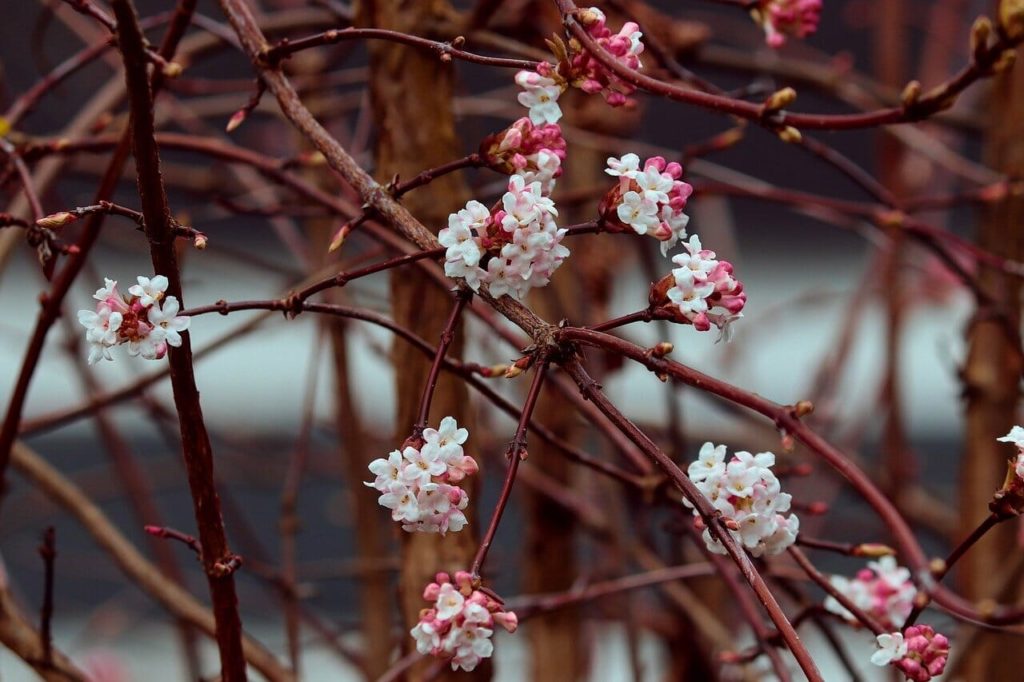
138	320
747	494
461	621
291	173
883	590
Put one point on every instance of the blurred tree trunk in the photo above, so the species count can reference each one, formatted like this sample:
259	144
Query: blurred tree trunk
991	386
411	93
369	525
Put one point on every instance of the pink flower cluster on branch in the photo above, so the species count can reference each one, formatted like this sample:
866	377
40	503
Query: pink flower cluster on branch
883	590
138	320
535	152
513	247
918	652
417	483
701	291
746	492
779	18
578	68
648	201
1009	500
461	621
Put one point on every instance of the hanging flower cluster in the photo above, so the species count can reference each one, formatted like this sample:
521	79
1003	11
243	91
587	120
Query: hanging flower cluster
512	248
461	621
701	291
137	320
779	18
748	495
578	68
883	590
919	652
535	152
648	201
417	483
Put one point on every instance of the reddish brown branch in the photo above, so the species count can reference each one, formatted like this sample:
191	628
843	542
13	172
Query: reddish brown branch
196	448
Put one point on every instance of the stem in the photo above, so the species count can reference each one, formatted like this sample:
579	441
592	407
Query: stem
447	336
217	558
446	51
48	551
931	103
823	582
516	453
990	522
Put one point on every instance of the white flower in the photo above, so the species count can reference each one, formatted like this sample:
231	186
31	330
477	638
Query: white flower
401	500
1015	436
149	291
540	96
627	167
421	466
426	636
689	293
109	289
655	184
387	470
449	602
638	211
101	326
891	648
167	318
447	440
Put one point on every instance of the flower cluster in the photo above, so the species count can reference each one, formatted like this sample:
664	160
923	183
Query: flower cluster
512	248
798	18
648	201
701	291
883	590
747	494
418	483
535	152
138	320
588	74
919	652
460	623
578	67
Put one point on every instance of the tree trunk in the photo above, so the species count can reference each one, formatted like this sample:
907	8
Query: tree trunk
991	385
411	93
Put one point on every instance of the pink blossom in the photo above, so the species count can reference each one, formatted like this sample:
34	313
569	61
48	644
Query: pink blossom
747	494
779	18
918	652
701	291
534	151
418	483
460	623
138	320
516	248
649	201
883	590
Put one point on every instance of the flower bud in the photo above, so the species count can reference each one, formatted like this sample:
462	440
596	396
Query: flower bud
55	220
